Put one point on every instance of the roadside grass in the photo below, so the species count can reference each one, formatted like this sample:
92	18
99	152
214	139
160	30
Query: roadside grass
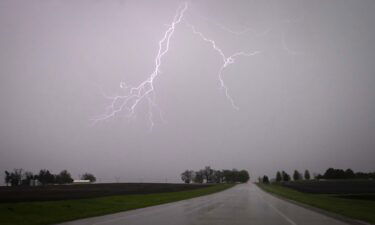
352	208
50	212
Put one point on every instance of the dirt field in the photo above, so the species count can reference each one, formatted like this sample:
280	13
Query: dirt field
63	192
334	186
367	197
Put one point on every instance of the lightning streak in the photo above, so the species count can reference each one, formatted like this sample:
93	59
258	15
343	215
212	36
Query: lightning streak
226	61
145	91
135	95
259	34
243	31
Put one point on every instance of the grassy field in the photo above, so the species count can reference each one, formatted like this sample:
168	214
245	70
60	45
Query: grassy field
349	207
49	212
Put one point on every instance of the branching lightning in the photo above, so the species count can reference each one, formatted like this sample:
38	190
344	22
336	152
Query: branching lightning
127	103
226	61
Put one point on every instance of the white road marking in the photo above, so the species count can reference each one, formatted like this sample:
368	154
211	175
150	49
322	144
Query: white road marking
278	211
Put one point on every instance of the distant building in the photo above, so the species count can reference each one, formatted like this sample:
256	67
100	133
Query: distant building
81	181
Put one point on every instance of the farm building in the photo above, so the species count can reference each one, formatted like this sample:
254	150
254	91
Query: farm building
81	181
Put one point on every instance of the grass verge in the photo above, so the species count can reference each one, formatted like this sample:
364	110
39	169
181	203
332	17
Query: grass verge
352	208
49	212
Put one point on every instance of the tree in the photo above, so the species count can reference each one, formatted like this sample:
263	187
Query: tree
187	176
45	177
349	174
208	174
296	175
232	176
318	176
285	176
265	180
228	176
64	177
235	175
218	176
332	173
16	177
361	175
7	178
307	175
88	176
243	176
279	178
27	177
198	177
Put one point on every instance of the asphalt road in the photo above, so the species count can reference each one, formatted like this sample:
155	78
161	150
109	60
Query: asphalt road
242	204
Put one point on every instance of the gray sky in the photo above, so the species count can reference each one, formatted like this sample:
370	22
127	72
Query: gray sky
305	102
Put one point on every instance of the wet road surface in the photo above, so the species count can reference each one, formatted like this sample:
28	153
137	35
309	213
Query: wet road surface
242	204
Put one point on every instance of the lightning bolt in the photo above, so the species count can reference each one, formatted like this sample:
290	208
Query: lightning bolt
246	30
226	61
243	31
128	102
134	95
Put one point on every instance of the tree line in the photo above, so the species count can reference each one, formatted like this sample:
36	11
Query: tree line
330	173
209	175
285	177
19	177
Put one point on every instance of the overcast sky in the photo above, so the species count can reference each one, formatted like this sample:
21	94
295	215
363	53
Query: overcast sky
305	102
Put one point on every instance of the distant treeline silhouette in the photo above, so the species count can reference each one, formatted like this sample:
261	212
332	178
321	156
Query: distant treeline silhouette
330	174
19	177
209	175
